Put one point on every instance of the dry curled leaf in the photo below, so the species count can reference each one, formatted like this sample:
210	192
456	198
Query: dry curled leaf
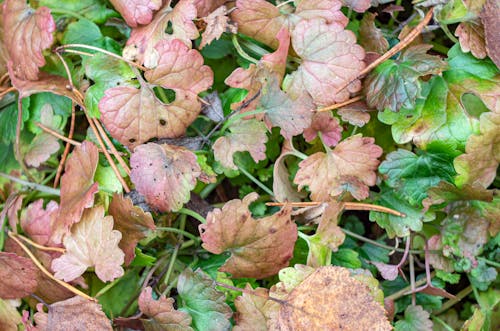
217	24
164	174
132	222
91	243
259	248
26	33
19	276
245	135
370	37
282	187
471	37
350	166
254	310
136	12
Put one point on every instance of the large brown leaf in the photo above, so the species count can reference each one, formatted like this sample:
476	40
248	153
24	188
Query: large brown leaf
350	166
132	222
136	12
164	174
26	33
260	248
77	188
19	276
489	18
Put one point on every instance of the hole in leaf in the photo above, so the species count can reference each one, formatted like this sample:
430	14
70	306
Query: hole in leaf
164	95
131	140
170	28
162	122
473	104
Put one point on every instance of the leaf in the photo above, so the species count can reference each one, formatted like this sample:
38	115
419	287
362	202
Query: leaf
94	10
436	259
330	298
77	188
350	166
132	222
37	222
253	311
91	243
416	318
489	15
245	135
143	39
205	7
261	20
327	125
203	302
359	6
19	276
482	153
370	37
217	24
83	32
9	316
162	313
446	192
214	109
259	248
136	12
411	175
330	59
471	37
26	34
73	314
387	271
164	174
355	114
395	83
282	187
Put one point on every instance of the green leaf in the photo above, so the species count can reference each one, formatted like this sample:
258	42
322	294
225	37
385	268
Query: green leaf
416	318
482	276
399	226
8	121
108	182
347	258
203	302
83	32
395	83
94	10
411	175
60	105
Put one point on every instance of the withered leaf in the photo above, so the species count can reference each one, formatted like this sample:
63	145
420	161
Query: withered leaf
259	248
489	18
19	276
253	311
471	37
132	222
91	243
327	125
370	37
217	24
359	6
136	12
37	221
282	187
205	7
164	174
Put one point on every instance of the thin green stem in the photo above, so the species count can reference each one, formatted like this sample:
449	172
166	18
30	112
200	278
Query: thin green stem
376	243
240	50
33	186
193	214
491	263
108	287
443	323
256	181
178	231
210	187
162	95
448	34
451	302
66	12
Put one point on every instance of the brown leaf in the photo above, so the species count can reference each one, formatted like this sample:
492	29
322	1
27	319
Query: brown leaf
330	299
260	248
282	187
353	162
26	33
132	222
37	221
447	192
77	188
75	313
91	243
387	271
205	7
471	37
164	174
136	12
489	17
213	110
143	39
327	125
245	135
217	24
355	113
253	311
162	313
436	259
370	37
19	276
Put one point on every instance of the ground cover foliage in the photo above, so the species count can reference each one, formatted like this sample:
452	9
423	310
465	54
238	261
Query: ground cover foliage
249	165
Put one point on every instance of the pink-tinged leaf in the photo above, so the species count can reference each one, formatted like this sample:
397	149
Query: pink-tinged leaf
282	187
245	135
261	20
327	125
37	221
11	209
44	144
136	12
330	59
416	318
132	222
19	276
259	248
471	37
164	174
76	313
353	162
180	68
162	313
91	243
134	116
292	115
387	271
489	18
355	114
436	257
253	311
217	24
77	188
359	6
205	7
370	37
276	61
482	154
26	33
143	39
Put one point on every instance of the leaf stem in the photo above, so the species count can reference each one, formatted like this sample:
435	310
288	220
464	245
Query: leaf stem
33	186
40	247
404	291
256	181
178	231
193	214
376	243
240	50
67	286
451	302
491	263
67	147
346	206
108	286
